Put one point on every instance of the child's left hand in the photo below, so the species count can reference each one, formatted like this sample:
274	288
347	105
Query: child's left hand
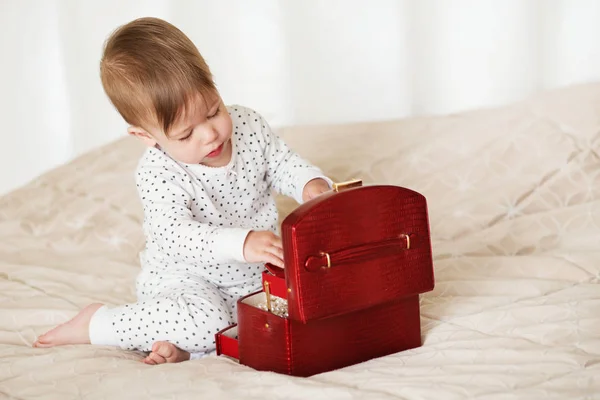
315	188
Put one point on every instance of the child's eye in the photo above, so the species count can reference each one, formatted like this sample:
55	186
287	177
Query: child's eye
186	138
215	114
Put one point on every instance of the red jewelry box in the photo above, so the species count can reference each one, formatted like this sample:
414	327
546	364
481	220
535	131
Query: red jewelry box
356	260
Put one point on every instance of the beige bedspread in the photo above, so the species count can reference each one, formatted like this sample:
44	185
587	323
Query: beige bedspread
515	217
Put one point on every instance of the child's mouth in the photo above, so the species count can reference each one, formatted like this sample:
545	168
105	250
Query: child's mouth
216	152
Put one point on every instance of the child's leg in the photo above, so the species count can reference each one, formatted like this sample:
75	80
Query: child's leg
187	316
165	352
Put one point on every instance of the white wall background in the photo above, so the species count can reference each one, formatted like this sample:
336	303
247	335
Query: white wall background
297	62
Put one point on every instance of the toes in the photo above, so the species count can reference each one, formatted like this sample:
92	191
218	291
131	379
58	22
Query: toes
155	346
164	349
42	338
42	342
154	359
148	361
169	352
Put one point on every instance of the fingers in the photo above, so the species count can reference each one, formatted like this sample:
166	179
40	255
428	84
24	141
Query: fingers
315	188
264	246
273	259
276	251
277	243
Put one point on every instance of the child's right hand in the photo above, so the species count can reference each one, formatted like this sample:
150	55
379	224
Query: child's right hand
263	246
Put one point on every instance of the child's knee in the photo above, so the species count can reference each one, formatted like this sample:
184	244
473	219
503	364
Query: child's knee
202	320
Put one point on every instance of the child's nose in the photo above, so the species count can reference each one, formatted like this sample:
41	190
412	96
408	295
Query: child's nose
210	135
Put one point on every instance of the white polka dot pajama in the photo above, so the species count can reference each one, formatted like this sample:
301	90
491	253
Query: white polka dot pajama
196	219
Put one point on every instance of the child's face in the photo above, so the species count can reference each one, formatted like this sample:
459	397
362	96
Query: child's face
201	136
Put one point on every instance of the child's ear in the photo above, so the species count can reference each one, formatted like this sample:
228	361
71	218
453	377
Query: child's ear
143	135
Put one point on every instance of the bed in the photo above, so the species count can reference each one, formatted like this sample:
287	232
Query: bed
514	202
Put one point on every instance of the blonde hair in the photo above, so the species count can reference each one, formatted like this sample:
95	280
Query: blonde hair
151	71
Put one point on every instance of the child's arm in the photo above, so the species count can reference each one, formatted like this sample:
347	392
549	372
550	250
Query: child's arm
166	196
287	172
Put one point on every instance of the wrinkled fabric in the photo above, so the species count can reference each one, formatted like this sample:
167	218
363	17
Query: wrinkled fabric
514	202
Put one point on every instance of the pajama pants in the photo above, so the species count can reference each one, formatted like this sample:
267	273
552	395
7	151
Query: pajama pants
184	310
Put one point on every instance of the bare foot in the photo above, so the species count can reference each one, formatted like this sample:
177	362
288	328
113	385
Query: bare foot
75	331
165	352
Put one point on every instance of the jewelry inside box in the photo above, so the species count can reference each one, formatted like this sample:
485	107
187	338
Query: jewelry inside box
279	306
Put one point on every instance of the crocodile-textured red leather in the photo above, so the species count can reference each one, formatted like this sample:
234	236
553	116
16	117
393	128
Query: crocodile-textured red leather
356	262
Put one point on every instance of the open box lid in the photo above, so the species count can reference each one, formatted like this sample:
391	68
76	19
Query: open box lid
356	248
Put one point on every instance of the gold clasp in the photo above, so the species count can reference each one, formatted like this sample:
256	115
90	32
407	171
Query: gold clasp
337	187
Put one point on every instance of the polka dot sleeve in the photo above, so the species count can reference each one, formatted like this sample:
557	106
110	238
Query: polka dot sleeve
169	223
287	172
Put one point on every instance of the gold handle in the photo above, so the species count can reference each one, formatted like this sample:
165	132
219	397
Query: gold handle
337	187
328	258
407	237
268	294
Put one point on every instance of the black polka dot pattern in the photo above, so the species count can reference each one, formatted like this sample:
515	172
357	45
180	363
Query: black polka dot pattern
185	312
196	219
